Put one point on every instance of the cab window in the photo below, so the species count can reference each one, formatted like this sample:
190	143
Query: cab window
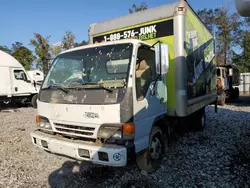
145	71
20	75
218	72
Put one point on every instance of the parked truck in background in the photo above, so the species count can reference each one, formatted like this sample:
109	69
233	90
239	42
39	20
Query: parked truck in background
228	81
15	85
37	76
116	99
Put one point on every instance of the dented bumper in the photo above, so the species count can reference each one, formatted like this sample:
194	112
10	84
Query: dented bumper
110	155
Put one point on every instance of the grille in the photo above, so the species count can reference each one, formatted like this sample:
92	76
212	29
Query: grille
74	129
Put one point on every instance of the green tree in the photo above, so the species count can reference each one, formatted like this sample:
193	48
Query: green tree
55	50
16	45
135	8
247	22
5	49
207	16
68	40
83	43
228	34
242	60
42	51
22	54
227	28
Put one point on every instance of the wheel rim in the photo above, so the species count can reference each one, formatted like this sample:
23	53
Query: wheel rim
6	102
156	148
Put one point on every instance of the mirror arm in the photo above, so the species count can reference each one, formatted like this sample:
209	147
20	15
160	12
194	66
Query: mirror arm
156	43
160	58
155	81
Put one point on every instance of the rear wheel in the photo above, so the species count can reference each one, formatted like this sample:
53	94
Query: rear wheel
235	94
150	159
222	100
33	101
237	91
200	120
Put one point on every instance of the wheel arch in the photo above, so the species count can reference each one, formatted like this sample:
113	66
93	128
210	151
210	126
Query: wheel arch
159	121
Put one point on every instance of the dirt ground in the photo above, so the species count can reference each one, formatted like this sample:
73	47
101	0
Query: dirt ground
217	157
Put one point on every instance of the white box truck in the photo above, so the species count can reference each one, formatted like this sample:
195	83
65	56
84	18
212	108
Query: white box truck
15	84
115	100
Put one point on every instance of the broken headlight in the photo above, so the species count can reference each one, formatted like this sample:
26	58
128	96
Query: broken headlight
110	131
43	122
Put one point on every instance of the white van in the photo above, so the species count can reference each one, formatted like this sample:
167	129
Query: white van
36	75
15	84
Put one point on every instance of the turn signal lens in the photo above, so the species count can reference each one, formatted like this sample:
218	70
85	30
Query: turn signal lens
128	131
38	120
128	128
181	9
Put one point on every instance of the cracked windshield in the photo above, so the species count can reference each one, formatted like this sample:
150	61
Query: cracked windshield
105	66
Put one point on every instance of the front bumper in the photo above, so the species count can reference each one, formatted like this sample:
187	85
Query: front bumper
114	155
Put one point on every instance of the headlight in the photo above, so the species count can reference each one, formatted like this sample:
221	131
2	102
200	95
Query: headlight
117	131
110	131
43	122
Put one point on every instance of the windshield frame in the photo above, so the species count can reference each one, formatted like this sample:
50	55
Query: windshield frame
55	61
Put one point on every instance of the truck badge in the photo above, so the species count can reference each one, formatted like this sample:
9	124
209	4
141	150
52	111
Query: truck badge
92	115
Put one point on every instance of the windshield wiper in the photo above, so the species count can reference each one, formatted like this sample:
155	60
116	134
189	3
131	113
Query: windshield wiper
56	87
100	85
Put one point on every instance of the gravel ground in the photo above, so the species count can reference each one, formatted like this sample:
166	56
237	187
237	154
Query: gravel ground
217	157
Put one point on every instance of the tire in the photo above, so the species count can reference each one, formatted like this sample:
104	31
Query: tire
222	100
6	102
34	101
200	120
150	159
236	93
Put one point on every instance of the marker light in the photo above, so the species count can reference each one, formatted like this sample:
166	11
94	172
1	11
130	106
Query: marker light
181	9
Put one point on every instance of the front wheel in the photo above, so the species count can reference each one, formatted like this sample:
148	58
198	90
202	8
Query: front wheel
6	102
34	101
150	159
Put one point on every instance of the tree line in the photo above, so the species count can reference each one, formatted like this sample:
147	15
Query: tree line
43	50
232	36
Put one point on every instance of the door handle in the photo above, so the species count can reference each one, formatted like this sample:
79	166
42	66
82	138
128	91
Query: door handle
16	89
162	100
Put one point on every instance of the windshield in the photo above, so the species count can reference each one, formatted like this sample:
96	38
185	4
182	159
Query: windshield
103	64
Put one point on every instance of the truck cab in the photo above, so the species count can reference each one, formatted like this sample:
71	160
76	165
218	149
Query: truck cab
102	95
16	85
228	81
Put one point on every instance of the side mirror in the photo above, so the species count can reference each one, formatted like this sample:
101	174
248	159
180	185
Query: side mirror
243	7
230	72
161	58
28	81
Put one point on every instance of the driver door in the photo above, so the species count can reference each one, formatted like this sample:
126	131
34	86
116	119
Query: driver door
147	106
